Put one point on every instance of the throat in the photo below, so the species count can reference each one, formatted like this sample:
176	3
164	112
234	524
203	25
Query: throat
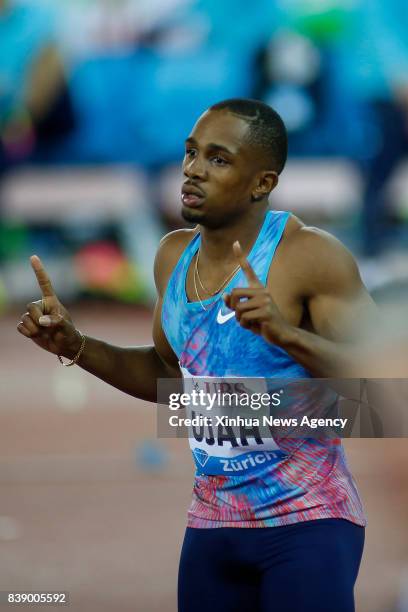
209	284
207	281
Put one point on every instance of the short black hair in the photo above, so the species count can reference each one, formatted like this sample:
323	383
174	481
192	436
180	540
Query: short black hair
266	128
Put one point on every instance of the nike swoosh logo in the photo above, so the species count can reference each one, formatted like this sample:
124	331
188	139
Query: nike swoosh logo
221	318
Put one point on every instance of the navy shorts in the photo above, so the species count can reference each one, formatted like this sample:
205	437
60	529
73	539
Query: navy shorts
307	567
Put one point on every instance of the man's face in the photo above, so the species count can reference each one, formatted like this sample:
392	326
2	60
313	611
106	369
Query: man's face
219	169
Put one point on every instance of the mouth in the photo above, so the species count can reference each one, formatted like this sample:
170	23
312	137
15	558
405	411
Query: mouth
192	200
192	196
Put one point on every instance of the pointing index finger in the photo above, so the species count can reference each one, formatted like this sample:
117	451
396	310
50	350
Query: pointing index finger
42	277
252	278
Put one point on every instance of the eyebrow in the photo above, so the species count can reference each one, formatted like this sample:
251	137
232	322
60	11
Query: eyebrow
211	145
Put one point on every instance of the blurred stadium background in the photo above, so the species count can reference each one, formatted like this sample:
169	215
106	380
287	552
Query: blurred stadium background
96	99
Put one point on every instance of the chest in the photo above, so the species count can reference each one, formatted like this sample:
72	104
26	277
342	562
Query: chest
282	285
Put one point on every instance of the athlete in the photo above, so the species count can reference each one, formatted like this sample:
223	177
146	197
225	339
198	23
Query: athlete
249	292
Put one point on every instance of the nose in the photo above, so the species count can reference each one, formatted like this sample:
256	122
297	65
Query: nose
193	168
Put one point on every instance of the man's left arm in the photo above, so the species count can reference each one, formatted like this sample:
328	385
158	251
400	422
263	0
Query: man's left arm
338	305
340	308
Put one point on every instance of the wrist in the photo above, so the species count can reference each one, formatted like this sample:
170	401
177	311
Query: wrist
75	359
286	336
74	346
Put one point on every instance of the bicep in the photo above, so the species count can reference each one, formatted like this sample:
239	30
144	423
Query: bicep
342	315
339	305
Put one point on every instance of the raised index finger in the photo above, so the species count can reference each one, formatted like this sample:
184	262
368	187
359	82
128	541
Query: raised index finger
42	277
252	278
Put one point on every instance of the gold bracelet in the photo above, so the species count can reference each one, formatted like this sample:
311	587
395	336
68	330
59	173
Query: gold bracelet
77	356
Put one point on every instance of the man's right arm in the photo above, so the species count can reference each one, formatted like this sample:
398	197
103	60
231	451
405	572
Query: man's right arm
133	370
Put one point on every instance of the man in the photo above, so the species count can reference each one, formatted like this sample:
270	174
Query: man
297	299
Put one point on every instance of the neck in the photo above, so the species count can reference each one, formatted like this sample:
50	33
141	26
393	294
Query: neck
216	244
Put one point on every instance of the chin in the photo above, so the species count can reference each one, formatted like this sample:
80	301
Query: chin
199	217
192	215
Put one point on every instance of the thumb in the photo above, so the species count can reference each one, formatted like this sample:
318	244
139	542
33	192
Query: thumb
51	320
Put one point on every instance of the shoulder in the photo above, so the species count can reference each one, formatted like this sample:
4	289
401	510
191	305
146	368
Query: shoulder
169	252
312	244
318	259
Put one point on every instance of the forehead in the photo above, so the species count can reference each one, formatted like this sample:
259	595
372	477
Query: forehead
220	127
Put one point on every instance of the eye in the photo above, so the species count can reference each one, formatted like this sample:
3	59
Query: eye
190	152
219	161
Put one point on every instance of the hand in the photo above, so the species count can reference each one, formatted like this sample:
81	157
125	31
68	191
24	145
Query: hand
47	322
254	307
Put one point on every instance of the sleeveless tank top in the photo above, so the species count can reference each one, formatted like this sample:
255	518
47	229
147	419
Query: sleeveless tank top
267	482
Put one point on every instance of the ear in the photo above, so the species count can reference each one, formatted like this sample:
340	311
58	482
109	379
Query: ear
265	183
